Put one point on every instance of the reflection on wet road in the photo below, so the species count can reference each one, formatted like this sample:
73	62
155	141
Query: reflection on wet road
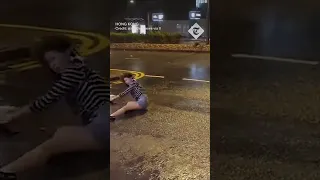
172	66
172	139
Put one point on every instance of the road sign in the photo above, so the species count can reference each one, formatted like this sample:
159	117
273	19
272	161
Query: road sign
157	16
194	15
196	31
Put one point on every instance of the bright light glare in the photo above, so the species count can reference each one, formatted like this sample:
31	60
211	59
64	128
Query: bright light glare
134	29
143	29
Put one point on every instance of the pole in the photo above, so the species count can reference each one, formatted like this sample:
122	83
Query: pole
208	22
148	19
130	5
128	10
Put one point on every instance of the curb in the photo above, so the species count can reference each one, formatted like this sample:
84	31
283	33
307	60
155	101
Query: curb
160	50
188	48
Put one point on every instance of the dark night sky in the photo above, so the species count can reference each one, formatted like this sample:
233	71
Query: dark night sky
173	9
178	9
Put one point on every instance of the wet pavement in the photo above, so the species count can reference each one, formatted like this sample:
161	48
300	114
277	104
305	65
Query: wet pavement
173	66
172	139
266	120
265	114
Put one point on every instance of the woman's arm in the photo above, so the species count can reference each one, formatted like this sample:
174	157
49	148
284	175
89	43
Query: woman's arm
67	82
125	92
128	90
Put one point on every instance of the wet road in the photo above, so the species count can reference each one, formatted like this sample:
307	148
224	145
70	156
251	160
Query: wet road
162	142
265	112
172	66
266	116
172	139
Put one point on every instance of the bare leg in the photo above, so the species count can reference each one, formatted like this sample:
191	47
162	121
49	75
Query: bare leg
131	105
66	139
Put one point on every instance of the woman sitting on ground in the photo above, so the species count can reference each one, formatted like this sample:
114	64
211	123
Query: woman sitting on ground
137	92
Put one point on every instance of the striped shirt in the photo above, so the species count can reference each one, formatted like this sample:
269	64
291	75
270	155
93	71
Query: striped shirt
135	89
84	90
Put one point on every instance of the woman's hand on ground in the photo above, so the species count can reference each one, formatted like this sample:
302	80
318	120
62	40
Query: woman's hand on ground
10	113
112	97
6	114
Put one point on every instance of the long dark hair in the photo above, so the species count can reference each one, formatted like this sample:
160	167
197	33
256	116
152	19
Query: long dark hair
126	75
50	43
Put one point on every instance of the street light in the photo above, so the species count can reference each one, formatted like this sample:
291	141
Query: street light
131	1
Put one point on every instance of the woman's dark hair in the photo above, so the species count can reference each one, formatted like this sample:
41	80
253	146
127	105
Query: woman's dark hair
126	75
50	43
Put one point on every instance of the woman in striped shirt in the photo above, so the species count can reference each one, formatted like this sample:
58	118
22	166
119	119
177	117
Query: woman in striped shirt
84	90
137	92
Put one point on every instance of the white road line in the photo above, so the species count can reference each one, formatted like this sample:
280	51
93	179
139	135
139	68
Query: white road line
289	60
154	76
132	58
198	80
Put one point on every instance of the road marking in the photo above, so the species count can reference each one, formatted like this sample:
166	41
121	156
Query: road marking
137	75
22	65
153	76
88	43
132	58
25	66
87	47
198	80
289	60
28	67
